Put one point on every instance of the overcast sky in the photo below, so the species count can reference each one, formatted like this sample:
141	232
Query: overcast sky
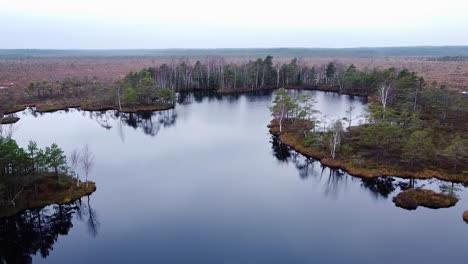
111	24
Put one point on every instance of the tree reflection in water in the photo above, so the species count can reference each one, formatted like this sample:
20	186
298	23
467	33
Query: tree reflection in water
152	122
36	230
333	179
149	122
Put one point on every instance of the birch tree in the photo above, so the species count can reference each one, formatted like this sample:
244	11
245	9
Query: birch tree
349	115
340	75
335	140
383	94
87	161
281	106
74	159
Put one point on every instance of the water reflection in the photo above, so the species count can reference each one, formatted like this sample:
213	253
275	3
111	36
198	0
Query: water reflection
149	122
334	179
36	230
382	186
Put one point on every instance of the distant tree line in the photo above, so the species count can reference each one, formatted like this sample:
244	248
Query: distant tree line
244	52
449	58
215	74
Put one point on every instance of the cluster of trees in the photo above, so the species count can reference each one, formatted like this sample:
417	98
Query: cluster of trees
21	168
214	74
141	88
289	109
298	113
409	123
416	124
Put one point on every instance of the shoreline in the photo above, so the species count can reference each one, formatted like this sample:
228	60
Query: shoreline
291	140
291	87
50	108
31	201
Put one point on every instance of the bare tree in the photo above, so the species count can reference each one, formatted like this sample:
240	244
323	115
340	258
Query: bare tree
87	161
278	67
119	87
75	158
349	115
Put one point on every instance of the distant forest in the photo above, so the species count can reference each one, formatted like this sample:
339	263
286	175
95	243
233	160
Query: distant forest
419	51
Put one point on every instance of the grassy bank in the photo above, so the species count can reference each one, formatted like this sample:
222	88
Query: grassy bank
46	192
292	137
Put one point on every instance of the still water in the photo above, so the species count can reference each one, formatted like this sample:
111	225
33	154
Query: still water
206	183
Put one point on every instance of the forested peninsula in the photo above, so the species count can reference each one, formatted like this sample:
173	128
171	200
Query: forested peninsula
412	129
34	177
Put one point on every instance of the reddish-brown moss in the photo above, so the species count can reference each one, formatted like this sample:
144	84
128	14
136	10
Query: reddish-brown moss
412	198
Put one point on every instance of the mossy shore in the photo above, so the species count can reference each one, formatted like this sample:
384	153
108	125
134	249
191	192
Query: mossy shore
46	192
367	169
53	106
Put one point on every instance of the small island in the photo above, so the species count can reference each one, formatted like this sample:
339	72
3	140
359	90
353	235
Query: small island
465	216
6	120
412	198
412	129
34	178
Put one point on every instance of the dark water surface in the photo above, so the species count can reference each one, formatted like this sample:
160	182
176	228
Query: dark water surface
206	183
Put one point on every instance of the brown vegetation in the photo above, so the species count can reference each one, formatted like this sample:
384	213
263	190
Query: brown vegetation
364	168
21	72
465	216
46	192
412	198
